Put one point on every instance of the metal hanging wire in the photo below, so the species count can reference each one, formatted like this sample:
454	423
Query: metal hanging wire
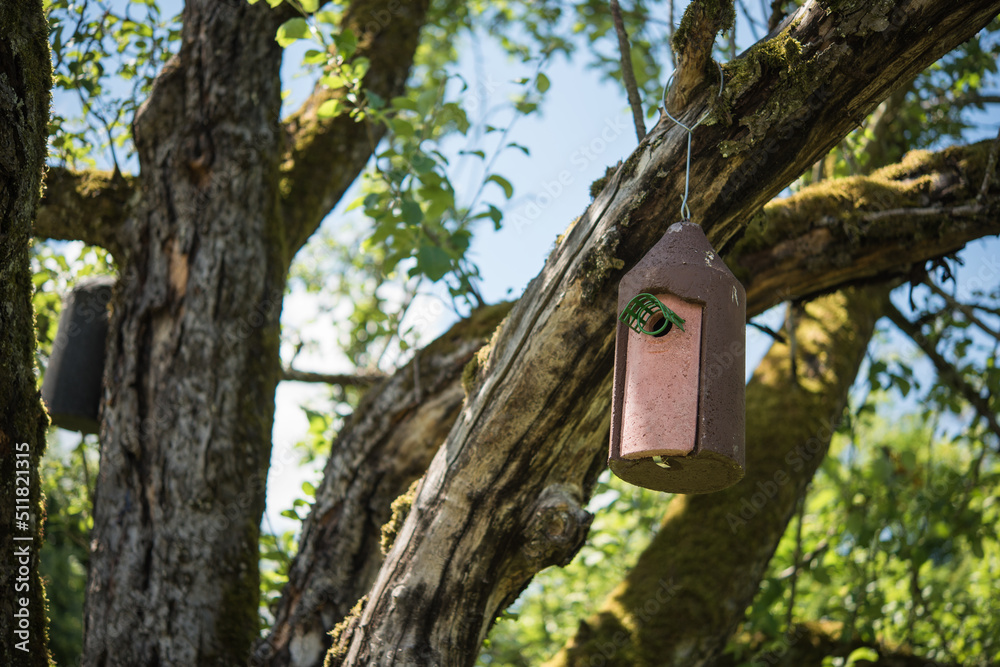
685	210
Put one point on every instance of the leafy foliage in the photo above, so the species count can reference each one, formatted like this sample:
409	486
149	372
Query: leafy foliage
68	485
899	544
106	58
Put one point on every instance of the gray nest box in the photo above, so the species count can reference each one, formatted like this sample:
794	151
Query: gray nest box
678	413
72	386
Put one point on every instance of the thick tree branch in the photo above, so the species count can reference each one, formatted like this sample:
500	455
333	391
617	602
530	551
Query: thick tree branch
866	228
326	155
470	543
693	43
89	206
945	370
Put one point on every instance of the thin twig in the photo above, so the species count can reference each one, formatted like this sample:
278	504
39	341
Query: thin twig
777	14
628	76
945	370
750	20
341	379
670	37
962	308
769	331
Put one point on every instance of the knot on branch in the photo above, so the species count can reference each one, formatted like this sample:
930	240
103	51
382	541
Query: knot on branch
557	526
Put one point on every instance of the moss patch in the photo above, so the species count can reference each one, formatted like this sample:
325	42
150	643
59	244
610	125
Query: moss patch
400	510
836	202
783	56
713	12
336	654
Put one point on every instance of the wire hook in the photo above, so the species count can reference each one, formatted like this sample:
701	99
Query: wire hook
685	210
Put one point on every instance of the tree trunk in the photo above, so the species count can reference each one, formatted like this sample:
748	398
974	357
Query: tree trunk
25	81
227	194
503	497
193	356
678	606
386	446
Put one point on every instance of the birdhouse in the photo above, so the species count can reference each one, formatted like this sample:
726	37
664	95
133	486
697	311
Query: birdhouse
72	386
677	421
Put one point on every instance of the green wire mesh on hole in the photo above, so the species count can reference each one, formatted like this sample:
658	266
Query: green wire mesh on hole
642	310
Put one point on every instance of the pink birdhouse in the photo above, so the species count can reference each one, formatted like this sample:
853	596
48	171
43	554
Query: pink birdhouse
678	411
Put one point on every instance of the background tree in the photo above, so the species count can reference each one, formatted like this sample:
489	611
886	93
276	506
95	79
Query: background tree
227	193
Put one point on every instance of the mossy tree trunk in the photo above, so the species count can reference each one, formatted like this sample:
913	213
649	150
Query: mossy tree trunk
678	606
25	82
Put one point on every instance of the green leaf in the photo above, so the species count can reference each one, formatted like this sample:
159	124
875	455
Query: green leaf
432	262
330	18
360	67
508	189
333	81
347	43
496	215
330	109
309	489
314	57
542	83
404	103
412	215
460	241
523	149
402	127
309	5
422	164
291	30
863	653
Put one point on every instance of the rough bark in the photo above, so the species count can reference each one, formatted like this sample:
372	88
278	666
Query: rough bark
693	43
482	523
866	228
193	356
388	444
678	606
25	81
